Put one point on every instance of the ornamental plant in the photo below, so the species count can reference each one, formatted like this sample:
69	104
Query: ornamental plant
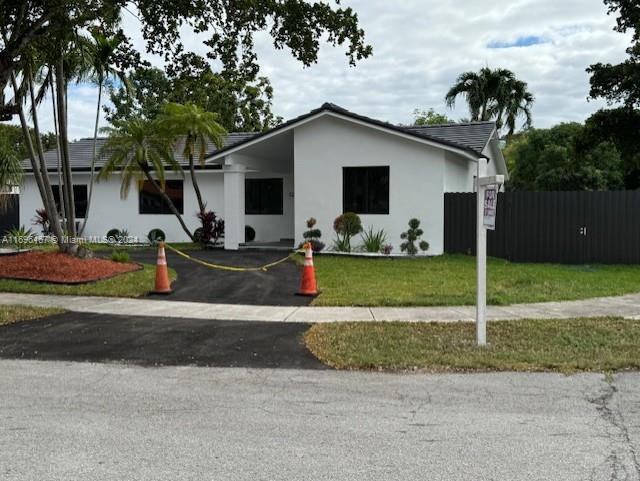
411	237
212	227
346	226
313	235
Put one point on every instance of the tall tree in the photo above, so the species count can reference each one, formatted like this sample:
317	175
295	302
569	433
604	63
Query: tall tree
193	128
242	99
139	151
101	51
493	95
620	82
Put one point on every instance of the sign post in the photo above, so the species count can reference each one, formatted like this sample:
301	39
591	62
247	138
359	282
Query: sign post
486	205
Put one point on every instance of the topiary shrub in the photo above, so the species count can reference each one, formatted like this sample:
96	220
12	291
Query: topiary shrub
156	235
346	226
249	233
313	236
113	235
411	237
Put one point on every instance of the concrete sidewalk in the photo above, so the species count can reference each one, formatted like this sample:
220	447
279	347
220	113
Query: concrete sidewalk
622	306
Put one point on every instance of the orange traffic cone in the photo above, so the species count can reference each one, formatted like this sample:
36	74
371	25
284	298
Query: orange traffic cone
308	286
163	285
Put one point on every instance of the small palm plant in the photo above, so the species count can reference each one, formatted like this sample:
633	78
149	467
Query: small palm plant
374	241
137	149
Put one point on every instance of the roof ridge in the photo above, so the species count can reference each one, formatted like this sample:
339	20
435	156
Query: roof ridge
452	124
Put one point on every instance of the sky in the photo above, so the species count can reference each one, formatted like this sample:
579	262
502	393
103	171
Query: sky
419	48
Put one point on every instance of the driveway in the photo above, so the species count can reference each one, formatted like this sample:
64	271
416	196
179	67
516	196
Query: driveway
157	341
275	287
80	421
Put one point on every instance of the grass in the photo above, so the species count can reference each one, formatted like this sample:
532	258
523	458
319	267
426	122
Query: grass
10	314
450	280
594	344
131	284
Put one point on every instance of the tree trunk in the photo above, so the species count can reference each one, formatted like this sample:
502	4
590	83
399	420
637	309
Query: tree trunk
168	200
45	194
58	165
196	187
93	160
64	143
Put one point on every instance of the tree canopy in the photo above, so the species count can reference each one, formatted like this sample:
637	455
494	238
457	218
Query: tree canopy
430	117
620	82
559	159
494	94
241	99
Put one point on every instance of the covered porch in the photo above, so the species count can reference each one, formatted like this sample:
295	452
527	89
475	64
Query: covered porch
259	194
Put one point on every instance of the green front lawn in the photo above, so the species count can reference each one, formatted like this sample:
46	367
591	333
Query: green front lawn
10	314
131	284
599	344
451	280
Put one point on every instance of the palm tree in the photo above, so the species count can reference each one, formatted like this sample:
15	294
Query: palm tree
11	174
493	94
101	52
137	150
195	127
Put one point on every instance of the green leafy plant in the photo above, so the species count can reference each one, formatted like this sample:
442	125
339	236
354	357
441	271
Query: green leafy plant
113	234
120	256
346	226
411	237
20	237
313	235
156	235
373	241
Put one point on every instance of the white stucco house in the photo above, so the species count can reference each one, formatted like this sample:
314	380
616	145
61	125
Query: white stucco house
320	164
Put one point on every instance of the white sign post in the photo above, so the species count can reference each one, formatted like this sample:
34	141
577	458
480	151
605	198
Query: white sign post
486	204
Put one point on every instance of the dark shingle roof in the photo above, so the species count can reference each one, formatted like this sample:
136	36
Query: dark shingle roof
80	152
456	141
475	135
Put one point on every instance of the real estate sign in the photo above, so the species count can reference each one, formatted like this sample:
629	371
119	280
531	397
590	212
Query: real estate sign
490	207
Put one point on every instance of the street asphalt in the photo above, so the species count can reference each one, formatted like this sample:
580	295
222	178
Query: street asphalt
196	283
64	421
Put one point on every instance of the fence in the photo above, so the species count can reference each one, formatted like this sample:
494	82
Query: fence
10	216
563	227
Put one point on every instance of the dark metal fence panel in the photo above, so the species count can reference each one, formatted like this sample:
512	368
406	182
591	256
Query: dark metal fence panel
10	217
564	227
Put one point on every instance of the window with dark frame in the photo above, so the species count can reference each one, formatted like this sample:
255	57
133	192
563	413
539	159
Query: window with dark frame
152	202
365	190
79	199
263	196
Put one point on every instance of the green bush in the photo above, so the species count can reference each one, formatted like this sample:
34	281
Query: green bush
120	256
20	237
156	235
374	241
346	226
411	237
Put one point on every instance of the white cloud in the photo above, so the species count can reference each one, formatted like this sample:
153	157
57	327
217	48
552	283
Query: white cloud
420	47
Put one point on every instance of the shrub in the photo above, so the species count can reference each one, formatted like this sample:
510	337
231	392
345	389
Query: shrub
42	219
386	249
20	237
346	226
249	233
113	235
411	237
120	256
156	235
374	241
212	227
313	235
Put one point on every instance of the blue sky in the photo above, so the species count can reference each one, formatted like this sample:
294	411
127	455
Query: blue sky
420	47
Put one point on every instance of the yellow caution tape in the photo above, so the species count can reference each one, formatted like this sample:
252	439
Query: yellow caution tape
230	268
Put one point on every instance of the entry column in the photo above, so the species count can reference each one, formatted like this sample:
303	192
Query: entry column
233	206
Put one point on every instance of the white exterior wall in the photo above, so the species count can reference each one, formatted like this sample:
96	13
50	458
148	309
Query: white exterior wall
459	173
416	184
109	211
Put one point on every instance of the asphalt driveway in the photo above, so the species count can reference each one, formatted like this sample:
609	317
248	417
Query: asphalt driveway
158	341
197	283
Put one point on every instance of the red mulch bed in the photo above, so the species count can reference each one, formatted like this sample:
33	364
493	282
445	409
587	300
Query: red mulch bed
60	268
